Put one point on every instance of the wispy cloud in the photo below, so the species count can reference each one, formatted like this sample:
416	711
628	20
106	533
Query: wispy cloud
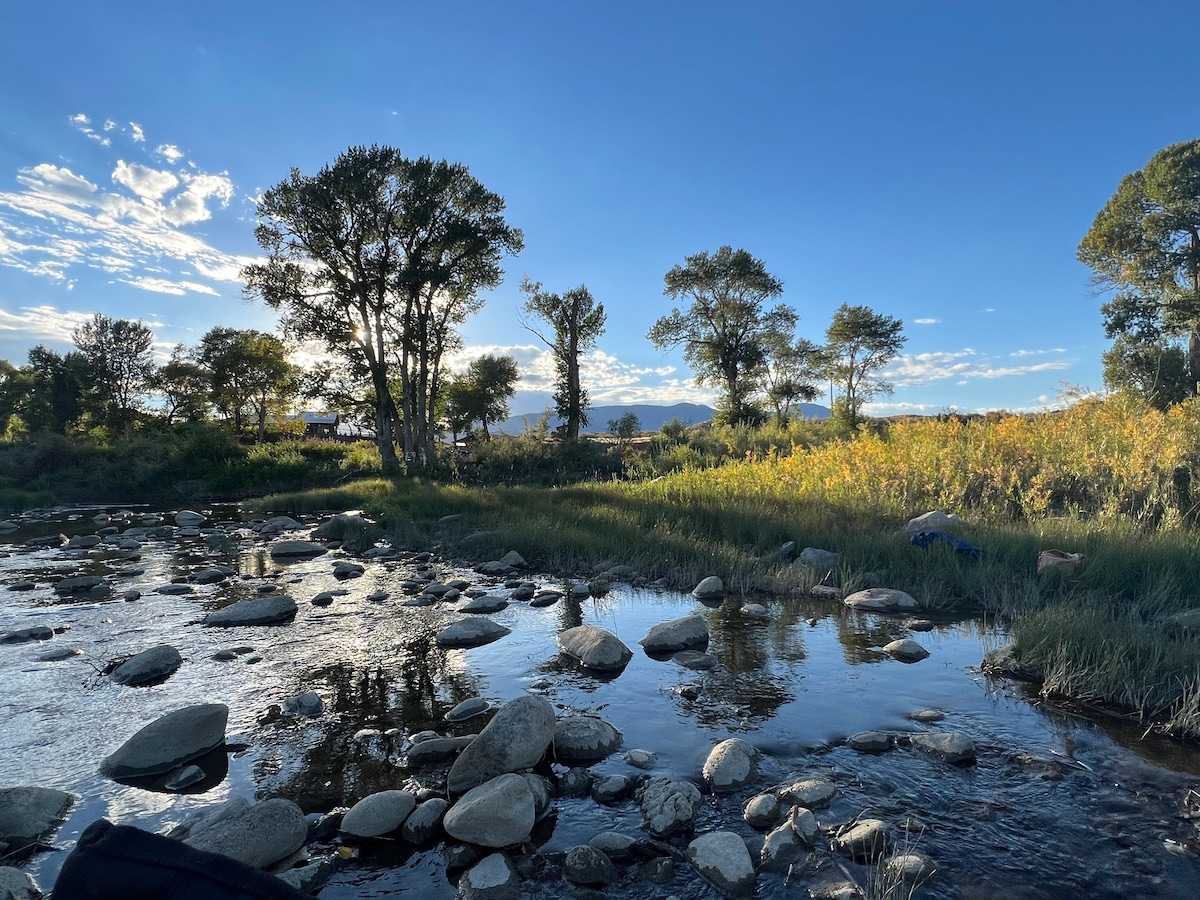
926	321
42	324
60	220
963	366
135	132
84	125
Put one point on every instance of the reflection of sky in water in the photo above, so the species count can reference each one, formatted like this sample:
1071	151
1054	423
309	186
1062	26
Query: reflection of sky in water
793	689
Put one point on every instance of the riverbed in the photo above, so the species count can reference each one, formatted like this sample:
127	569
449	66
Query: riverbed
1058	803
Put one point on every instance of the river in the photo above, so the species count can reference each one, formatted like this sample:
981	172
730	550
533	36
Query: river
1058	804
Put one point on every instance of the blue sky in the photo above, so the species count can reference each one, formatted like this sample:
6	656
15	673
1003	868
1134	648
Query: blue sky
936	161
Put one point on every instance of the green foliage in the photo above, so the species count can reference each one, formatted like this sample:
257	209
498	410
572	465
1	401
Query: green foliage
247	372
625	427
577	321
724	330
119	356
1156	372
1145	246
860	342
381	258
481	394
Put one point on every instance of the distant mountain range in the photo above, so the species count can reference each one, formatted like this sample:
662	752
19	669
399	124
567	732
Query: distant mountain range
651	417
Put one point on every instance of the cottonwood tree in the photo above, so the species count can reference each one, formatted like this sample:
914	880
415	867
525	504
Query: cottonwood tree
1155	371
481	394
1145	245
577	321
860	342
120	371
184	385
249	374
625	428
54	387
725	327
790	371
380	257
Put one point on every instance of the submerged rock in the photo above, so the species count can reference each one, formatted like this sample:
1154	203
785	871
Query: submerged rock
473	632
952	746
584	739
906	650
880	600
297	549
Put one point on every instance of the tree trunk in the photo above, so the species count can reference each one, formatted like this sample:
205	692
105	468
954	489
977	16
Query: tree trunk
389	463
1193	356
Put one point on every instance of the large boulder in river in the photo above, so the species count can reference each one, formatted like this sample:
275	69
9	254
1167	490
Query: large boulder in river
297	550
686	633
515	739
259	836
905	650
29	815
880	600
594	648
188	517
168	742
732	764
952	746
498	813
148	667
710	588
257	611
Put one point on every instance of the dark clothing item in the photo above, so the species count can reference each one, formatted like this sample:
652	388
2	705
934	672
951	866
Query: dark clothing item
116	862
926	539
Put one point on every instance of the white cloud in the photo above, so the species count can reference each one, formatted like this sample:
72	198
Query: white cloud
42	324
163	286
109	124
147	183
169	152
135	132
84	125
1037	352
926	321
79	119
963	365
59	219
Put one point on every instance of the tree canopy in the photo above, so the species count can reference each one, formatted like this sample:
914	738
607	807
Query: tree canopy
120	368
724	328
1144	245
860	342
381	257
577	321
481	394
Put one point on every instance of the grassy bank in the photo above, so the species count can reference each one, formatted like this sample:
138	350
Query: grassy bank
1109	480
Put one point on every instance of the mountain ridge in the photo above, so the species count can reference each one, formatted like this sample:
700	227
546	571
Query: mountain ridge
651	416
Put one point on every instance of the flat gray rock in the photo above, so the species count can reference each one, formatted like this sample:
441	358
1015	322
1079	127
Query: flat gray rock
168	742
378	814
867	840
297	549
811	793
710	588
579	739
906	650
594	648
18	885
473	632
952	746
686	633
437	750
492	878
498	813
489	603
263	834
148	667
668	806
468	709
29	815
271	610
25	635
880	600
722	859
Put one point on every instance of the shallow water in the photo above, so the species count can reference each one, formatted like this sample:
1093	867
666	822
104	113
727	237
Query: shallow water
1057	804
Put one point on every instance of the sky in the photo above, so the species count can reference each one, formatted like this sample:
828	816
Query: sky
936	161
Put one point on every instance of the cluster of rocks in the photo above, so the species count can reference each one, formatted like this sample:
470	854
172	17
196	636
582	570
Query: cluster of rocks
499	783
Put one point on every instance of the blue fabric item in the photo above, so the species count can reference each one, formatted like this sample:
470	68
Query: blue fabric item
926	539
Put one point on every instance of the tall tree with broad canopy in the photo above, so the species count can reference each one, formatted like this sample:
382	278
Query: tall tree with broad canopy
1145	246
860	342
481	394
724	328
185	387
381	257
577	321
1157	372
120	355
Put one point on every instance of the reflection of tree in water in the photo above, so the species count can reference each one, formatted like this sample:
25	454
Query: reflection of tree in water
570	613
862	635
746	684
412	691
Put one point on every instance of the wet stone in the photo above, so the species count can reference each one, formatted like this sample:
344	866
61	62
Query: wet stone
611	788
811	793
761	810
871	742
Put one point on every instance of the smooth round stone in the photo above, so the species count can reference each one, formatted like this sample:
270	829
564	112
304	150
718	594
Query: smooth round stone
952	746
871	742
587	865
761	810
472	632
880	600
325	598
710	588
928	715
379	813
468	709
641	759
811	793
906	650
